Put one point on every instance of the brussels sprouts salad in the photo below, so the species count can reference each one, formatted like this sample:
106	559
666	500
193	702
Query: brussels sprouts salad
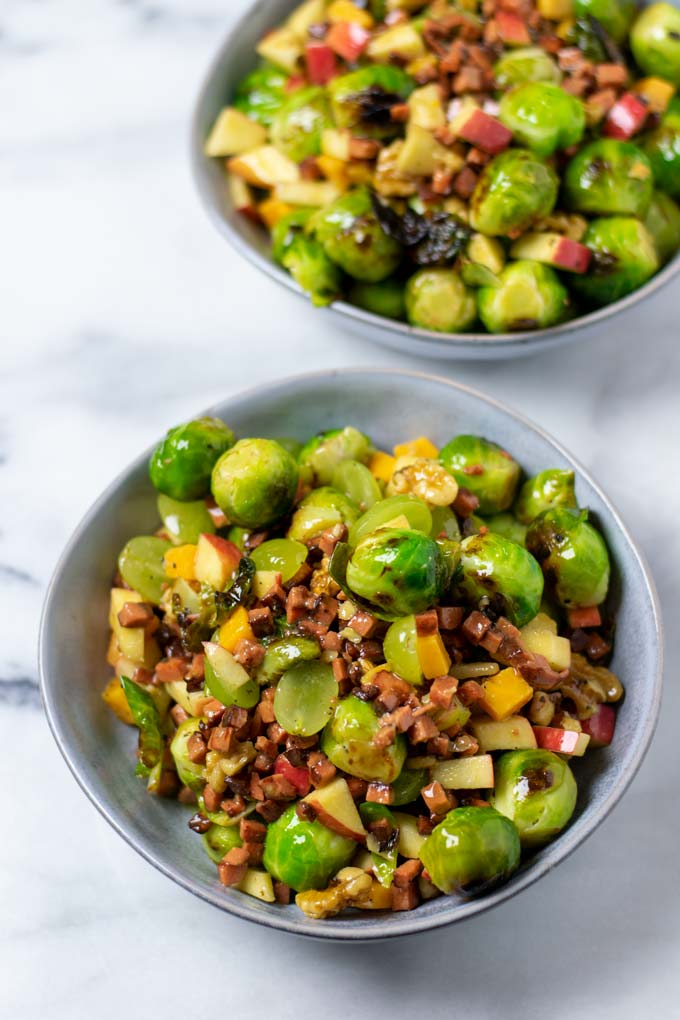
366	674
513	163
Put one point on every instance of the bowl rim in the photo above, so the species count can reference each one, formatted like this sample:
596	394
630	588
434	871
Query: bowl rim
510	342
407	923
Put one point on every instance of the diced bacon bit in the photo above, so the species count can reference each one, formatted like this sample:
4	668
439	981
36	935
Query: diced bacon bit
135	614
371	650
213	710
465	503
477	158
256	538
401	719
575	86
407	873
233	866
474	802
251	831
196	748
440	747
468	79
400	112
236	717
455	58
492	34
597	648
584	616
249	654
393	690
222	738
442	181
296	604
550	43
276	733
427	623
211	798
436	798
363	623
170	670
321	769
331	641
219	518
233	806
276	597
328	539
405	898
143	676
476	626
296	743
465	182
425	825
363	148
385	737
445	136
570	58
270	810
442	691
255	852
379	793
450	617
491	642
196	670
266	705
357	787
534	668
186	796
261	621
340	670
282	893
610	74
309	169
179	715
470	692
423	729
277	787
599	103
263	745
313	627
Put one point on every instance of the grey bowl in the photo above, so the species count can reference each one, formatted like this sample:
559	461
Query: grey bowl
390	406
233	60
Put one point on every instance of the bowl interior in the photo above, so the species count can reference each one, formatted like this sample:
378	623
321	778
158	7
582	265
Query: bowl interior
390	406
233	61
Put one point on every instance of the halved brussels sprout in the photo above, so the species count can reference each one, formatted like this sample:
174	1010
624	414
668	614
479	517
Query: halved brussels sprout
321	454
624	258
255	483
353	238
615	16
535	789
543	117
262	93
309	265
662	147
507	526
219	840
304	855
608	177
514	190
287	229
437	299
389	510
347	741
663	224
319	511
181	464
655	41
484	468
526	64
546	490
498	571
572	554
383	298
362	99
529	295
190	773
297	126
472	849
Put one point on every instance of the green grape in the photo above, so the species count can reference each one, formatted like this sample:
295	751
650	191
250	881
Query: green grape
284	555
356	482
219	840
445	522
304	698
184	522
400	650
142	566
413	509
227	680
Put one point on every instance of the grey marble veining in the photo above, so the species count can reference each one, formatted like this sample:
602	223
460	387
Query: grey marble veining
121	312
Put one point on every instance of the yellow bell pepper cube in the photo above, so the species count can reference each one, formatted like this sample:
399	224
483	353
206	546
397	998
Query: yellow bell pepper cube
179	562
556	10
382	466
657	92
272	210
345	10
113	695
433	657
334	170
505	693
420	447
235	629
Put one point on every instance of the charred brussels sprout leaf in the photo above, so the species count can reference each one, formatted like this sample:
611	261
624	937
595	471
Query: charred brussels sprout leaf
407	786
655	41
472	849
543	117
304	855
262	93
624	257
255	482
287	229
297	127
353	238
662	148
546	490
181	464
147	720
364	99
514	190
499	572
537	791
483	467
663	224
608	177
322	454
437	299
572	554
615	16
348	742
528	295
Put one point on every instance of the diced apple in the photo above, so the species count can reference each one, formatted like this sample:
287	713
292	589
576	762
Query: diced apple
264	581
233	133
348	40
334	170
191	701
584	616
335	144
600	726
242	197
510	734
118	598
540	622
321	63
402	41
259	884
216	561
626	117
226	679
557	650
482	130
281	47
307	193
130	640
298	776
512	29
272	210
570	742
420	153
487	252
335	808
554	250
426	109
312	12
264	167
474	773
410	840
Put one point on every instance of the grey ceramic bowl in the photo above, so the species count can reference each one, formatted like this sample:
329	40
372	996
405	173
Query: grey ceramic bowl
390	406
234	59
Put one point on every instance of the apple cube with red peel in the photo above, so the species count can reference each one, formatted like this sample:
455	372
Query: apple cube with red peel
334	807
482	130
296	81
243	199
348	40
216	561
600	726
512	29
299	777
626	117
584	616
554	250
552	738
321	63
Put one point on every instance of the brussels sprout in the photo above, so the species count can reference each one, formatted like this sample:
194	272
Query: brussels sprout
288	228
347	741
352	237
537	791
499	571
572	554
362	99
356	482
514	190
444	523
304	855
324	452
662	147
655	41
615	16
608	177
624	258
383	298
297	126
407	786
319	511
543	117
530	63
508	526
283	654
484	468
261	93
437	299
255	483
401	652
219	840
293	446
663	224
397	572
470	850
529	295
311	268
189	772
388	510
184	522
142	566
181	464
546	490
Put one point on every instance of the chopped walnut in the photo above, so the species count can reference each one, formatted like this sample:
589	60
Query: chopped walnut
349	888
424	478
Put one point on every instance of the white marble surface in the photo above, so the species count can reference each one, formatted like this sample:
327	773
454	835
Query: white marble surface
121	312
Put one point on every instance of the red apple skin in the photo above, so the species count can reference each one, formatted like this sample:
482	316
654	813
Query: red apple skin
512	29
348	40
550	738
600	726
572	256
321	63
227	550
296	81
485	132
625	118
298	776
331	822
